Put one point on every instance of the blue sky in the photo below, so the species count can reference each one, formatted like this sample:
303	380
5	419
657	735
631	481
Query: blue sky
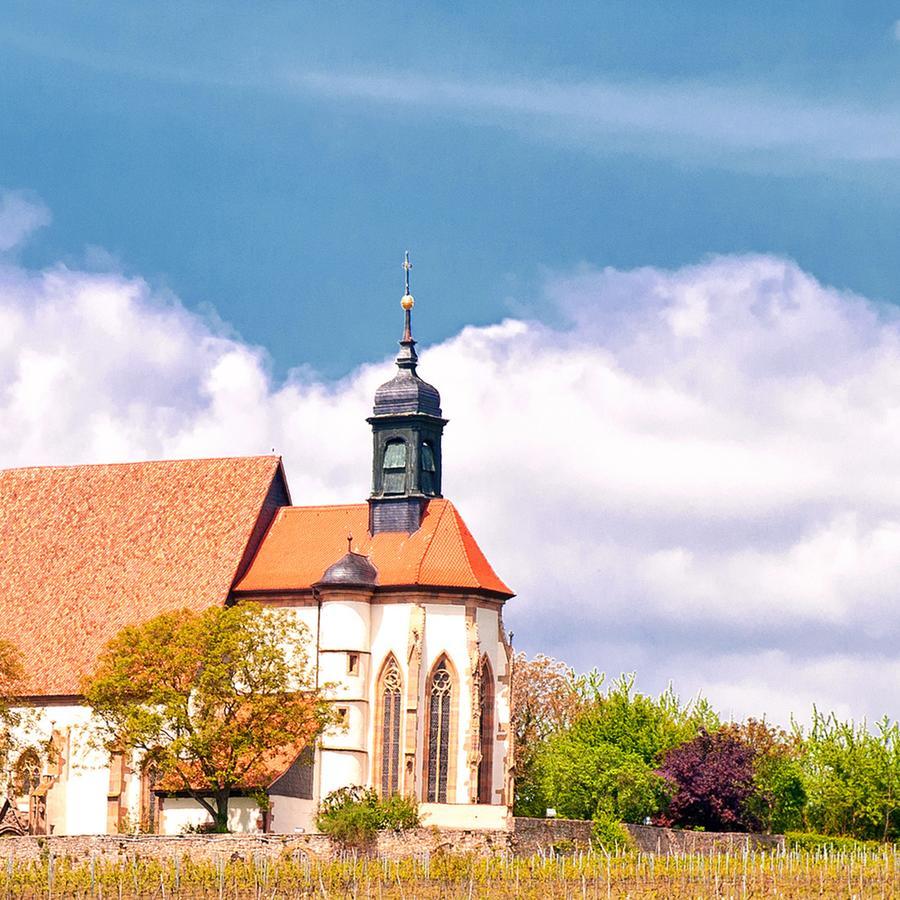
657	280
275	160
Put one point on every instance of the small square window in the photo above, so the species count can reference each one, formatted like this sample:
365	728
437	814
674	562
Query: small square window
343	715
353	664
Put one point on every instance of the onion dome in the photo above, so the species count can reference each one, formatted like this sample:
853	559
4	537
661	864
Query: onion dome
407	393
351	570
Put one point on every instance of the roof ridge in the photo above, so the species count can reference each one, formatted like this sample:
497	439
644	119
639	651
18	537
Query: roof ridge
139	462
326	506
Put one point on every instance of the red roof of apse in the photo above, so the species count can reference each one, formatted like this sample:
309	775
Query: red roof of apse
304	540
85	550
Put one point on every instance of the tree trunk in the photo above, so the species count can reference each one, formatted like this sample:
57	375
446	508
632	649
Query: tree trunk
221	798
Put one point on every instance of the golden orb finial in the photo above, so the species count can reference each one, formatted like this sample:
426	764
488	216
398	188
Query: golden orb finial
407	301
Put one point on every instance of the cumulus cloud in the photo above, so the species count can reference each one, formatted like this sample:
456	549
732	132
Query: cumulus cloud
20	215
696	476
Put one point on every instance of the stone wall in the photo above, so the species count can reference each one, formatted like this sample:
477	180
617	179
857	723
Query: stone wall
527	836
393	845
541	835
650	839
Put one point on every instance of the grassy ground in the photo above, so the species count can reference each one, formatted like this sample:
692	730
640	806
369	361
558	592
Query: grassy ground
795	873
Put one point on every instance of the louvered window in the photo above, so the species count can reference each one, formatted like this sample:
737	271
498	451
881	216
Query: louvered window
428	467
394	468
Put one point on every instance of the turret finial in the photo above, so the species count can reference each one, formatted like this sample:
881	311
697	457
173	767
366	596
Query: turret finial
407	358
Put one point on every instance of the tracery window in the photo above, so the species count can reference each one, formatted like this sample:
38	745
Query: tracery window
439	700
149	812
391	696
428	468
486	730
394	467
27	773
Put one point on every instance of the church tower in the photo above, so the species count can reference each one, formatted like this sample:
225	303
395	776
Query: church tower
406	429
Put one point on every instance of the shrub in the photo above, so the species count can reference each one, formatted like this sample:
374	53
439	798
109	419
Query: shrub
354	814
609	833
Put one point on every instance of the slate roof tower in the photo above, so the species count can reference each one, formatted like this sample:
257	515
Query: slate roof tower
407	425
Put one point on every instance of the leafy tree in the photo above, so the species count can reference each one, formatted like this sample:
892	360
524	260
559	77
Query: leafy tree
852	778
208	696
545	700
584	779
603	764
712	780
11	673
778	800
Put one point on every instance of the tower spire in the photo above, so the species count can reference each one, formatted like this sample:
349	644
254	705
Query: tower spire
407	358
407	425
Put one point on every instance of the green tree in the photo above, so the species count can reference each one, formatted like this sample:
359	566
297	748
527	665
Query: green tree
604	764
209	697
852	778
546	697
778	800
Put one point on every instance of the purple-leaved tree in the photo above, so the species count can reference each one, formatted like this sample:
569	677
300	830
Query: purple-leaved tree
711	778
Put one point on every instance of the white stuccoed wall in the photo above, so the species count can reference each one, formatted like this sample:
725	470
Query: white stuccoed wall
77	803
180	814
493	647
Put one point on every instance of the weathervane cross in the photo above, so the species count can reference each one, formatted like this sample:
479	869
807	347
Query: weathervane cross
407	265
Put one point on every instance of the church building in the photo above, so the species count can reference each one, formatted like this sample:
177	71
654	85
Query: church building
404	613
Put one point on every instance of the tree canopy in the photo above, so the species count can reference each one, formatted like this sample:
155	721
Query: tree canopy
209	698
10	680
610	753
602	762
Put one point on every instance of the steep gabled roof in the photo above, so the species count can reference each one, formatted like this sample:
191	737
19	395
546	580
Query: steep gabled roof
304	541
85	550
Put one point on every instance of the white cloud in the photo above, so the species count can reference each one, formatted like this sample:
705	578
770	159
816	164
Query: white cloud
698	477
20	215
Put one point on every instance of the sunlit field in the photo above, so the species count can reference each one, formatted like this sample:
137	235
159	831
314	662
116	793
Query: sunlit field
794	873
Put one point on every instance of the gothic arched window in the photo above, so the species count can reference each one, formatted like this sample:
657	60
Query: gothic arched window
440	697
390	687
428	468
27	775
486	730
394	468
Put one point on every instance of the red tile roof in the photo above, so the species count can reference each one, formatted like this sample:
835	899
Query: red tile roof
271	766
304	540
85	550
